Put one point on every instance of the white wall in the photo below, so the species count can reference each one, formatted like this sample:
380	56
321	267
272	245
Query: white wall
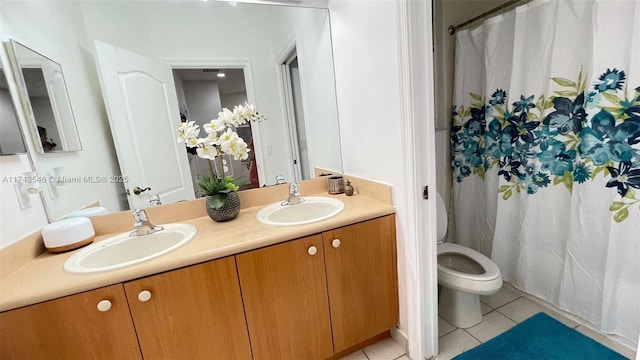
16	223
65	41
203	100
365	43
230	100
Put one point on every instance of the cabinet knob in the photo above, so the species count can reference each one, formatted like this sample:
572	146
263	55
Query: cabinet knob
335	243
312	250
144	295
104	305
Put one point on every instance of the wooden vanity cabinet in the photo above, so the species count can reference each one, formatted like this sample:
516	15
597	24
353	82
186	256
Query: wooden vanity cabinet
340	285
361	277
285	299
190	313
71	327
308	298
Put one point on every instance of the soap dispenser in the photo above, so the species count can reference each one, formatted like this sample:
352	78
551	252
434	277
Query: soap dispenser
348	189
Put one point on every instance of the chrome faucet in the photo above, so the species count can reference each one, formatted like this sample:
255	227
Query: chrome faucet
142	225
279	180
154	200
294	195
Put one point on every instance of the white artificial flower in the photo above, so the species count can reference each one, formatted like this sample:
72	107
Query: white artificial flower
248	113
212	138
221	135
228	117
240	150
239	112
249	108
214	126
207	151
188	132
226	140
191	141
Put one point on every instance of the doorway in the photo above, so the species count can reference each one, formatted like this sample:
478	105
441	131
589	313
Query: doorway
202	93
294	112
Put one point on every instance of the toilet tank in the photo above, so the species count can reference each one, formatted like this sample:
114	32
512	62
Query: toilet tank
442	220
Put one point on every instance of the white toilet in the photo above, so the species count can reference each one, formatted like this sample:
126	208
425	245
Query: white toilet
464	274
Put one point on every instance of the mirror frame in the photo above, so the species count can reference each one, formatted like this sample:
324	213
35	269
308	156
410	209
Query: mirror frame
26	102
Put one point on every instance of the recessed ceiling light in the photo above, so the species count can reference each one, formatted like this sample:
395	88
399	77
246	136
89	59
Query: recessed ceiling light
220	75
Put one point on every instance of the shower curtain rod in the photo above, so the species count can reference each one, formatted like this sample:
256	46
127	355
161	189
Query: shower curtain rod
453	28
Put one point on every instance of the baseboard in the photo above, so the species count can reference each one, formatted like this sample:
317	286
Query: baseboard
400	338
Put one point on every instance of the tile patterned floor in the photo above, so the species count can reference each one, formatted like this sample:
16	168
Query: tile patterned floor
386	349
501	312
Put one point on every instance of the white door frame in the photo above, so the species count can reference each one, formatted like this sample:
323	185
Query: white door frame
415	54
283	62
286	103
284	89
245	65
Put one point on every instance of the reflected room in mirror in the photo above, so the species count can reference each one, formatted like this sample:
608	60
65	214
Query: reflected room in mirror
281	54
45	100
11	140
204	92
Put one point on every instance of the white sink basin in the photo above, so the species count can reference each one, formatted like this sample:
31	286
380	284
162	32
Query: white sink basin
314	208
123	250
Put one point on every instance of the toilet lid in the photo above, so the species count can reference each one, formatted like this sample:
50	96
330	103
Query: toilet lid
491	270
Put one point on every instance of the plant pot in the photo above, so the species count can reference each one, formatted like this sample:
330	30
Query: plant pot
228	211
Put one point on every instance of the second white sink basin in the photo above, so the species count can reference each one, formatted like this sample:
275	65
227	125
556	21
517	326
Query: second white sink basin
314	208
123	250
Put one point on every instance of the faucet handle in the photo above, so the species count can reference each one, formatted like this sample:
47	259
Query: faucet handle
280	180
139	215
154	200
293	187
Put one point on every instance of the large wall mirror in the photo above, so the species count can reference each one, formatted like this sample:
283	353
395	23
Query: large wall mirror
45	99
11	140
275	50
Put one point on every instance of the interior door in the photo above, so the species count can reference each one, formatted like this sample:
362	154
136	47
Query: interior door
143	112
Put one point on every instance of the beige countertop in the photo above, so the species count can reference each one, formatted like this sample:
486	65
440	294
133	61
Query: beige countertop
44	278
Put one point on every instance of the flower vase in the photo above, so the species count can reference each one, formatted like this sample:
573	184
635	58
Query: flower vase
228	211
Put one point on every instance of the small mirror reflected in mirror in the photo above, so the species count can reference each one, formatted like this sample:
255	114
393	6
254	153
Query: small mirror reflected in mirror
11	140
45	100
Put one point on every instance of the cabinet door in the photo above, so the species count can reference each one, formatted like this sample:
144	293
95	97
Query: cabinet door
362	281
190	313
71	327
285	297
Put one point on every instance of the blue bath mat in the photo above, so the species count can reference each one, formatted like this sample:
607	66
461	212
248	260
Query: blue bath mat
540	337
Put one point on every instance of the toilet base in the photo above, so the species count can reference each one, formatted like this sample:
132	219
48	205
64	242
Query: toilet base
459	308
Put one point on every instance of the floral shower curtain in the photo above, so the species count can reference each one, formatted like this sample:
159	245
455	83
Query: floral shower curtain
546	154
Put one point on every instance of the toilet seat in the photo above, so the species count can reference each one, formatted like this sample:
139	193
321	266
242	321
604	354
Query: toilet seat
459	291
491	270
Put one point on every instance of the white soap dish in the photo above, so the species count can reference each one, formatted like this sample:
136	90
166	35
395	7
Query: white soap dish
68	234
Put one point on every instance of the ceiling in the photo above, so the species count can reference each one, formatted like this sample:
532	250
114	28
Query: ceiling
233	82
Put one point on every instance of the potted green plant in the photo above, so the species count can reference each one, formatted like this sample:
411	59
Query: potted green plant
223	203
